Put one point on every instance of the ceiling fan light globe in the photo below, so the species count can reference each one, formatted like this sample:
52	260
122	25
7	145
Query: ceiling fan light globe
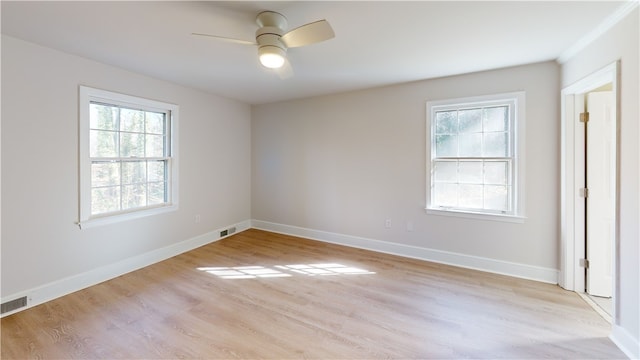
271	57
271	61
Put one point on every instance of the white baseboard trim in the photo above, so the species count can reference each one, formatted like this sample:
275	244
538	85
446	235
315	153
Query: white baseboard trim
59	288
625	342
523	271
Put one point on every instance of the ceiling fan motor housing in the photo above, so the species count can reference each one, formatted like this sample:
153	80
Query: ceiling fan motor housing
271	18
270	36
271	28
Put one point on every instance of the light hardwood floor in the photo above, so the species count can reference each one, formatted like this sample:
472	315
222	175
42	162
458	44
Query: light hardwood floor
263	295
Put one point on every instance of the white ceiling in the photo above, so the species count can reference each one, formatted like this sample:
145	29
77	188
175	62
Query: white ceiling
376	43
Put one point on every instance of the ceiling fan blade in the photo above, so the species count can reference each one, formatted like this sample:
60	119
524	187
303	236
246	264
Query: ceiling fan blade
308	34
237	41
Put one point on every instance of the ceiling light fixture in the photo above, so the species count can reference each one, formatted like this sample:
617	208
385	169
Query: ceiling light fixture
271	57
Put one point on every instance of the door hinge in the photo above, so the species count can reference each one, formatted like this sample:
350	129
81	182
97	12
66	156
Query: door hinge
584	192
584	117
584	263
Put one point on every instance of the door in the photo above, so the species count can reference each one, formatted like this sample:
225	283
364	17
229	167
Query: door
601	198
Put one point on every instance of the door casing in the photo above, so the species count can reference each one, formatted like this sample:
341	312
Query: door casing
572	218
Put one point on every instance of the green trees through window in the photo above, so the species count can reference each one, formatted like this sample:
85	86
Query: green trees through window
128	150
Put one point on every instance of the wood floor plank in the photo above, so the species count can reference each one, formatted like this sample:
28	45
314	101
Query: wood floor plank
264	295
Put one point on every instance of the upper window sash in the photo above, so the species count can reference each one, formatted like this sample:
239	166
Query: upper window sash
150	127
437	130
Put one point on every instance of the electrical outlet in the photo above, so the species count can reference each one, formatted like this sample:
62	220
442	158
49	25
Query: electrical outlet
387	223
197	218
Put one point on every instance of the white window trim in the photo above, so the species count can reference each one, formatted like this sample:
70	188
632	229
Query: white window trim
87	94
519	157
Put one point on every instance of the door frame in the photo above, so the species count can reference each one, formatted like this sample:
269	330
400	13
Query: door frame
572	220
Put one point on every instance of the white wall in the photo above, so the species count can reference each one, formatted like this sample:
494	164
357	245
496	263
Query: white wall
622	43
344	163
40	242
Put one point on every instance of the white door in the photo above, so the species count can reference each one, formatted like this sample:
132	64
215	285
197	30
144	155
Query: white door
601	184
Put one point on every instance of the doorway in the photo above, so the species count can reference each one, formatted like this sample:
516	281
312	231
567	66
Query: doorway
589	162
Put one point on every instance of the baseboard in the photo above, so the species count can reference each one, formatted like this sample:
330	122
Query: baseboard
625	342
59	288
523	271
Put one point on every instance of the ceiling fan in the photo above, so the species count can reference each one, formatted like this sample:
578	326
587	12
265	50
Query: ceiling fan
273	40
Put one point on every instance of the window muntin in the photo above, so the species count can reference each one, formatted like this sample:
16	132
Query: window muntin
127	154
473	155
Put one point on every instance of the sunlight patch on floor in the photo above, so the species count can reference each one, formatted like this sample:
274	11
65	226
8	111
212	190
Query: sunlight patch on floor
253	272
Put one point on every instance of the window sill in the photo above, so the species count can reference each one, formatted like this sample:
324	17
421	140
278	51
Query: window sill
477	216
116	218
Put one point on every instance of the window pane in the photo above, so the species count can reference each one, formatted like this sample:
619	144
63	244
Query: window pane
156	171
470	145
446	171
126	165
496	144
446	122
155	146
156	193
155	123
496	197
106	199
470	120
131	145
102	117
496	118
471	196
470	172
131	120
495	172
134	172
445	194
134	196
105	174
103	143
446	145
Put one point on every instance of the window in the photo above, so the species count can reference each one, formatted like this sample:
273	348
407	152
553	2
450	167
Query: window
476	155
127	156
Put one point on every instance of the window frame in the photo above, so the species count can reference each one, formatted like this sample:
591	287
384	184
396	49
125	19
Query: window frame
88	95
517	144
